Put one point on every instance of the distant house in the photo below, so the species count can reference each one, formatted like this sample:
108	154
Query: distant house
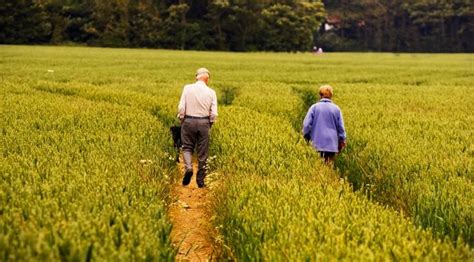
332	22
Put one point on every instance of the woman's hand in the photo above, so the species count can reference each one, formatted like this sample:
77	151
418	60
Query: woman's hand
342	145
307	137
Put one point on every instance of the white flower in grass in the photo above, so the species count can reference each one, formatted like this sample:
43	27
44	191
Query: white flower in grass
145	161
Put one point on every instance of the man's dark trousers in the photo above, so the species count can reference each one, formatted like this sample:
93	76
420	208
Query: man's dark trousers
195	134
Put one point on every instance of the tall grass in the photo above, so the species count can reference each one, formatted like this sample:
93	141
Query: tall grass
77	121
276	201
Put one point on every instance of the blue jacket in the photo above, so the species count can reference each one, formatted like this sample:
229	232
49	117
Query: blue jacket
325	125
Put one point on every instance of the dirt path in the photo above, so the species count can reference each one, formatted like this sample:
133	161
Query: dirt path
192	232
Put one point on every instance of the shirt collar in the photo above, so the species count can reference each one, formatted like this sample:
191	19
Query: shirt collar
200	82
327	100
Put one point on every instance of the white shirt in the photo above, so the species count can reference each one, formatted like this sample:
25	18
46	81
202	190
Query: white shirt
198	100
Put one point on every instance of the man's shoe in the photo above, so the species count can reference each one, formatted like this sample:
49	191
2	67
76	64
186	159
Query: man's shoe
187	177
201	174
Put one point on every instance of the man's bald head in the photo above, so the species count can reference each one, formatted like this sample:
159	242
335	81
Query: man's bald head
203	74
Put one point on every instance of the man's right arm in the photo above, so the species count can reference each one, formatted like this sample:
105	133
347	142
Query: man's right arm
182	104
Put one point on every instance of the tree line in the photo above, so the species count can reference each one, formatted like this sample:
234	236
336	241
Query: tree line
243	25
401	25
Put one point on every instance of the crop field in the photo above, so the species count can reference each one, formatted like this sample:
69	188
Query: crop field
87	162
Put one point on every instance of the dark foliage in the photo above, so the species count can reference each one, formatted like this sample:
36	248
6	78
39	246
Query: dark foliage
237	25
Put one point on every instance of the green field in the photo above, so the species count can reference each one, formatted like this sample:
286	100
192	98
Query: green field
77	123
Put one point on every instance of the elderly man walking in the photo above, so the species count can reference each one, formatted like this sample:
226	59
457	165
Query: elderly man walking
197	112
324	126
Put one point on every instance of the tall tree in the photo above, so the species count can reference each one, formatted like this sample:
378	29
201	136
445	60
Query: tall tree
290	27
23	22
218	9
441	23
146	24
400	25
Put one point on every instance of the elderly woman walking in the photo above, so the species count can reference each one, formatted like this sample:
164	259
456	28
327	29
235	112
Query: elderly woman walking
324	126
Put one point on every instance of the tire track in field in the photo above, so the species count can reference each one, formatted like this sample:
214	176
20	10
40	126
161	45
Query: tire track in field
192	233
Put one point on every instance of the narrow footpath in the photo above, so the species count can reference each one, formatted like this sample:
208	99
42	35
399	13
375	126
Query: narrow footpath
192	232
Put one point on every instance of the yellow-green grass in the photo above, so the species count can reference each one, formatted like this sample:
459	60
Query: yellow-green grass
70	101
276	201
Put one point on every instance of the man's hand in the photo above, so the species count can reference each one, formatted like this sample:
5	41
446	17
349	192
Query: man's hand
342	145
181	118
307	137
